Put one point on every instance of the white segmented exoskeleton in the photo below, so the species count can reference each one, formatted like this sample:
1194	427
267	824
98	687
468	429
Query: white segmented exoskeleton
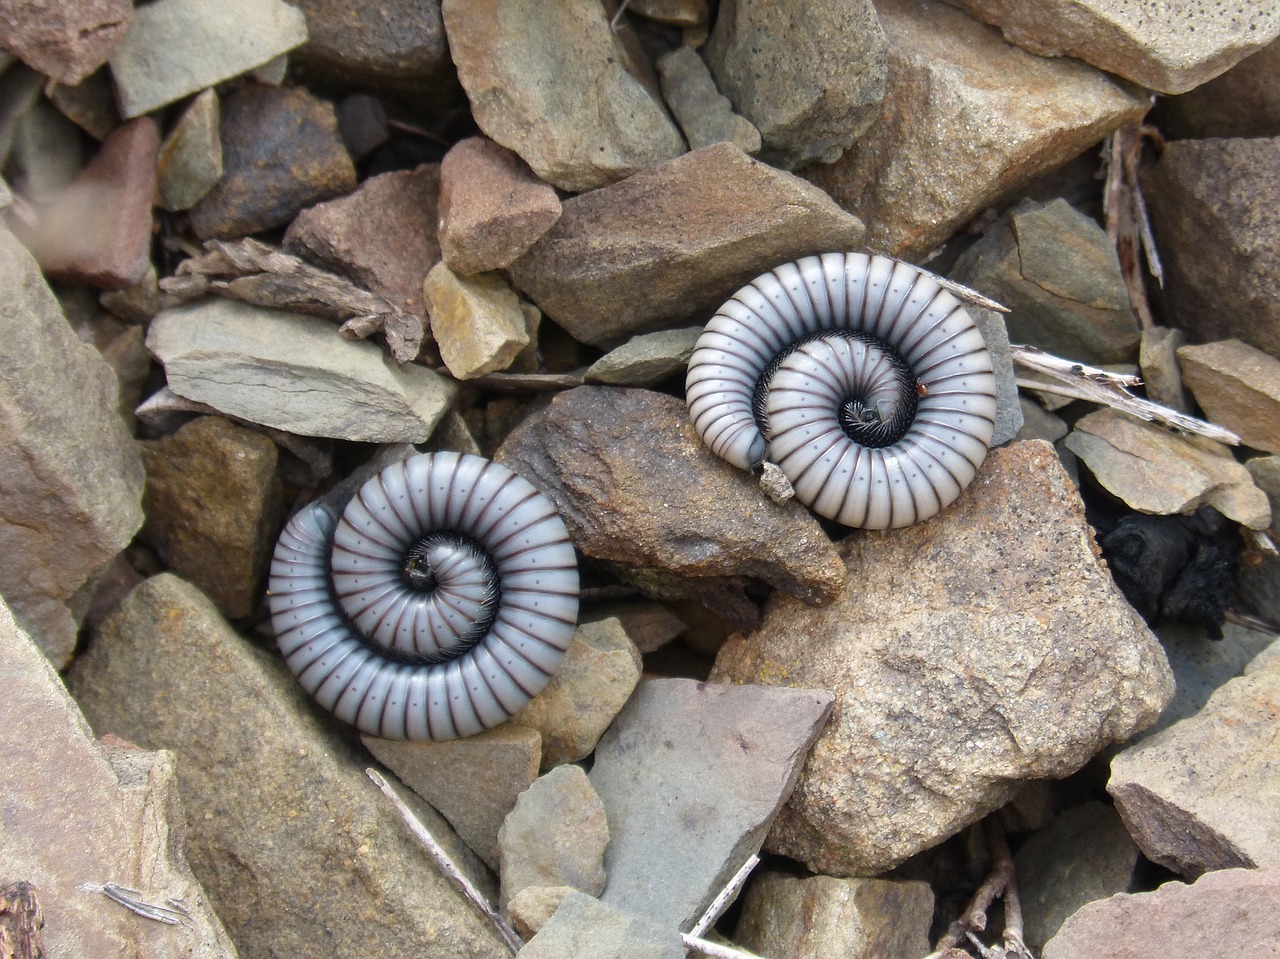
860	376
437	605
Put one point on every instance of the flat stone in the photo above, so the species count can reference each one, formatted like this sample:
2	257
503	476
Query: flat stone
811	92
705	117
1235	906
1158	364
971	121
646	359
822	917
293	843
1085	854
89	104
557	93
79	812
190	162
98	230
668	245
596	677
137	303
1170	49
472	782
636	486
1211	204
214	505
178	47
294	373
64	42
1243	102
691	775
71	486
492	206
583	928
995	334
1238	387
1058	272
476	321
280	152
970	654
1204	794
1158	471
555	836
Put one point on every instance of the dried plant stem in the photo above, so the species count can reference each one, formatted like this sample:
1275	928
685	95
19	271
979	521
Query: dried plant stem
1000	883
171	914
1126	213
716	949
727	895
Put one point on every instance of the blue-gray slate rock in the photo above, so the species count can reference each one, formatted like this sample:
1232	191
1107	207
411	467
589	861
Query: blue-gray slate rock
583	928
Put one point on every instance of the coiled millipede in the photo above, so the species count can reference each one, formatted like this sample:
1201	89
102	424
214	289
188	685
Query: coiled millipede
860	376
438	604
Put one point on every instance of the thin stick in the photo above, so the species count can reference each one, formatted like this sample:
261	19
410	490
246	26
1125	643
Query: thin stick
727	895
973	296
171	915
707	947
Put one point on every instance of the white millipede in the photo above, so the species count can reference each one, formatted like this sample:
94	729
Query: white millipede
860	376
439	603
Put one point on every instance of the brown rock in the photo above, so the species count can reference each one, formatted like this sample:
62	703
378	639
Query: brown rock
492	207
680	13
704	115
1158	365
1238	387
64	41
532	906
984	648
931	162
670	244
1243	102
476	320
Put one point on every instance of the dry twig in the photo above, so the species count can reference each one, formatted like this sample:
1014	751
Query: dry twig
1126	214
726	897
172	913
21	922
1002	882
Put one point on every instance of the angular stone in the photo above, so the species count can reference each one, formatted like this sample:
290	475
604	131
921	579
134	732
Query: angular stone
178	47
190	162
984	648
1211	204
1170	49
1243	102
98	230
970	121
1204	794
646	359
64	41
89	104
280	152
599	671
1235	906
214	505
679	13
295	846
79	813
1238	387
472	782
1158	471
492	207
548	82
71	484
705	117
294	373
635	485
691	775
137	303
532	906
476	321
995	334
809	75
555	836
1158	364
1039	424
583	928
1057	270
822	917
669	245
648	625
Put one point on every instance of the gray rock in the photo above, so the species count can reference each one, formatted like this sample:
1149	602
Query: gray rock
294	373
178	47
66	43
691	776
549	83
1008	409
297	849
645	359
668	245
1204	794
705	117
1158	364
1243	102
137	303
46	155
1259	584
71	484
583	928
362	121
1235	907
79	813
190	162
649	625
969	654
822	917
1238	387
554	836
476	321
89	104
1039	424
809	75
935	161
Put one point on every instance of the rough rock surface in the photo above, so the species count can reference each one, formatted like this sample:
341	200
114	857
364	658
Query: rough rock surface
646	359
299	852
808	74
1204	794
71	482
583	928
294	373
531	908
1243	102
669	245
549	82
1158	366
1169	47
995	333
64	41
190	162
636	486
704	115
476	321
1235	907
968	120
691	775
983	648
1211	205
1238	387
